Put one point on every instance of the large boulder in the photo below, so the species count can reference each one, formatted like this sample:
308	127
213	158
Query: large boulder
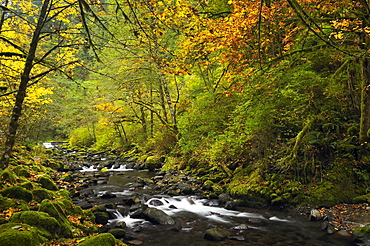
153	162
38	219
17	192
47	183
8	175
15	234
41	194
158	216
104	239
55	209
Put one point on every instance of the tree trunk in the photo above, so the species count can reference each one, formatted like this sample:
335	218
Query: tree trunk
21	94
365	101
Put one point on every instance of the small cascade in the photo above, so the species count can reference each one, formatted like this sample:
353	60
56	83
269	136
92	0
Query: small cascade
88	169
130	222
121	168
175	205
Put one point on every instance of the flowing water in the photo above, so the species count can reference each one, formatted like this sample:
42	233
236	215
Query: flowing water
252	226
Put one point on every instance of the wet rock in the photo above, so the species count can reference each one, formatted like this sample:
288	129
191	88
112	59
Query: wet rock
330	229
132	200
101	217
240	227
216	234
139	211
343	234
117	233
158	216
108	195
324	225
156	202
361	241
358	219
316	215
135	242
231	205
223	198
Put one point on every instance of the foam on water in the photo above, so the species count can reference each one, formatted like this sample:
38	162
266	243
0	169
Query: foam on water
130	222
174	205
121	168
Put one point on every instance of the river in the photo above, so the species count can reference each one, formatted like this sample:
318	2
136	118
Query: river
247	226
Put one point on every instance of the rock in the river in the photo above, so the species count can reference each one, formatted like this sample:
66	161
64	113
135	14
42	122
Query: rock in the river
316	215
101	217
108	195
158	216
241	227
216	234
118	233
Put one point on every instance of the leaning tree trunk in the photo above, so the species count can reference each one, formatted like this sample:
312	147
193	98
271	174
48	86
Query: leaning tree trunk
21	94
365	79
365	102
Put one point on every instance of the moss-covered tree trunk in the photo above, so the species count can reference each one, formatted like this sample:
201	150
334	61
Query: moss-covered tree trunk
365	102
21	93
364	10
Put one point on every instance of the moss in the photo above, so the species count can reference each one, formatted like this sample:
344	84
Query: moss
28	185
104	239
153	162
41	194
6	203
329	193
17	192
56	210
47	183
64	193
38	219
21	170
3	221
104	170
15	234
8	175
361	231
67	177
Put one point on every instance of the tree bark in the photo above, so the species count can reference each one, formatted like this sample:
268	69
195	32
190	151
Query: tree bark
365	102
21	94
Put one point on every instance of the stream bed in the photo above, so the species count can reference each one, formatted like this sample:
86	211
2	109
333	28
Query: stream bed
193	215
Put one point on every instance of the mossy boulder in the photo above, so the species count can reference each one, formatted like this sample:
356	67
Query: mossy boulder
104	239
216	234
38	219
41	194
28	185
6	203
47	183
361	231
22	170
153	162
7	175
101	217
55	210
17	192
15	234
